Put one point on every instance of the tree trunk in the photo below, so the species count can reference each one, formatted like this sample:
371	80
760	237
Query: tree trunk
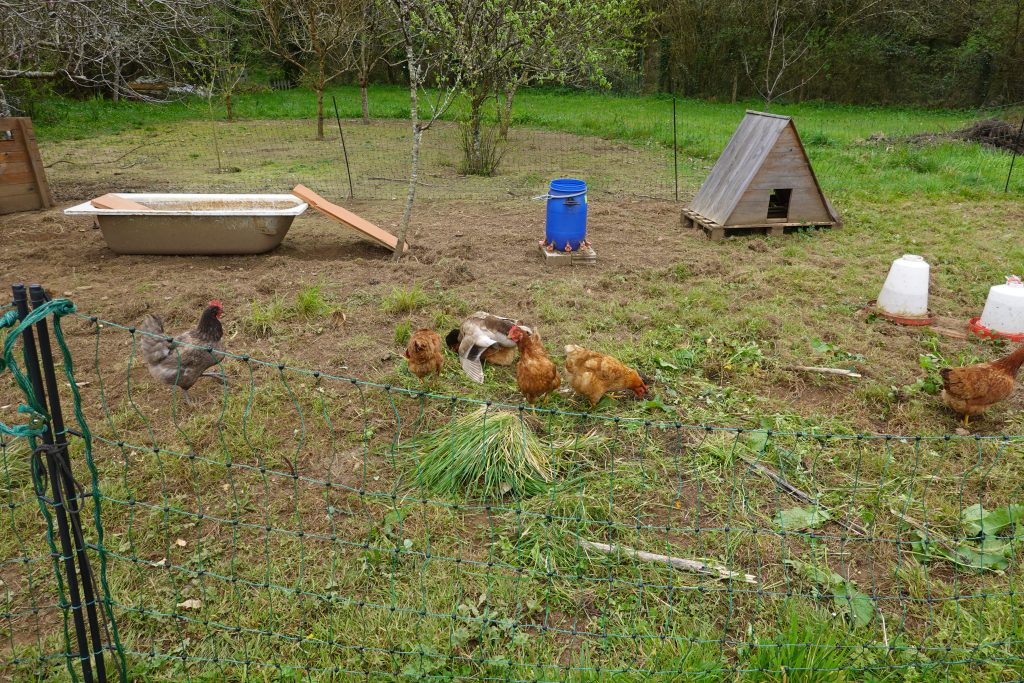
363	96
320	113
227	106
474	161
364	80
735	85
505	115
414	172
116	94
417	136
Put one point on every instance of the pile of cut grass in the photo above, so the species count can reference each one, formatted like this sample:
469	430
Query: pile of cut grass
484	454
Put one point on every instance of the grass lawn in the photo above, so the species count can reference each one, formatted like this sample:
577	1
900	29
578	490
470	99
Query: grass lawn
295	527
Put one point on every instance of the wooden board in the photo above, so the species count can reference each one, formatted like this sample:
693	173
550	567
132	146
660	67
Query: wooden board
347	218
586	256
23	185
112	201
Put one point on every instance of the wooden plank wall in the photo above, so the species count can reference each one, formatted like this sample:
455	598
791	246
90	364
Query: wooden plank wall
784	167
23	185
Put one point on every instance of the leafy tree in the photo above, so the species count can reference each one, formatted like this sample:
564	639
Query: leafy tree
315	36
502	45
426	30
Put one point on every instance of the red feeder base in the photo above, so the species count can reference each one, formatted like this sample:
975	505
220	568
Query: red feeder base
980	330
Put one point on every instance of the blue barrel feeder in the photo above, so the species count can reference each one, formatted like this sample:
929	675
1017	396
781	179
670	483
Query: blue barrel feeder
566	227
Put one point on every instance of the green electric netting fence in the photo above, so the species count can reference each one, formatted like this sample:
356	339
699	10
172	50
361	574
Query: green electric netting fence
294	525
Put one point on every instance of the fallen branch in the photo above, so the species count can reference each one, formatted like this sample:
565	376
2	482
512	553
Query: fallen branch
802	496
677	562
95	163
400	180
825	371
929	532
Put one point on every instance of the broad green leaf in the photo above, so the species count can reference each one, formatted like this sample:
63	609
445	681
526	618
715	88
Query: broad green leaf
757	441
991	558
656	404
977	520
662	363
859	607
798	519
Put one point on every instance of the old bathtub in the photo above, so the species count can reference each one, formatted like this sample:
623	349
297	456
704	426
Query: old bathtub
195	223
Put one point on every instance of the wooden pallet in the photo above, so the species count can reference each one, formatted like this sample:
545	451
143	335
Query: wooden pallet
691	219
585	256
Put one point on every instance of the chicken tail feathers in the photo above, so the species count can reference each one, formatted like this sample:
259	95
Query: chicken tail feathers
154	348
473	369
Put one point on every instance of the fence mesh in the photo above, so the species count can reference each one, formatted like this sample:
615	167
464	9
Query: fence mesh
298	525
638	150
273	156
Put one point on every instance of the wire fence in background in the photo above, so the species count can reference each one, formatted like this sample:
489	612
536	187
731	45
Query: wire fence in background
667	156
274	156
307	526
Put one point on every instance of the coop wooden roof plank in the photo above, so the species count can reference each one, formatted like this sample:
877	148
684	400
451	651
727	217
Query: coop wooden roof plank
742	158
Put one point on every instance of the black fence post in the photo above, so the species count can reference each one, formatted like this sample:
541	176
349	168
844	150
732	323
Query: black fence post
344	150
675	146
65	501
1013	160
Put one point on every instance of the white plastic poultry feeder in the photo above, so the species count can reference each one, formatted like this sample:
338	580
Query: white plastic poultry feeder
904	296
1003	315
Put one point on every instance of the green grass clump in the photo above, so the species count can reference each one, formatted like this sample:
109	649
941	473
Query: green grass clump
263	316
310	303
486	454
405	300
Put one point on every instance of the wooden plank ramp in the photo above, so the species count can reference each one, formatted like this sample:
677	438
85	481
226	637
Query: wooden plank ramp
112	201
347	218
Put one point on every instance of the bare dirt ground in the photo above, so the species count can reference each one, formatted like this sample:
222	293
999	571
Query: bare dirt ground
781	293
484	253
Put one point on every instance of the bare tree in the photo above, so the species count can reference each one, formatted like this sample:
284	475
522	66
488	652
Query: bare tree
374	38
104	44
795	30
426	29
313	35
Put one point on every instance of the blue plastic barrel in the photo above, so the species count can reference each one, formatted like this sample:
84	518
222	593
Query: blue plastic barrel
567	214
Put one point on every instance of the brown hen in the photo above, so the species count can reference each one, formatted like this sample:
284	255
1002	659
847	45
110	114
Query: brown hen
423	353
973	389
536	374
594	374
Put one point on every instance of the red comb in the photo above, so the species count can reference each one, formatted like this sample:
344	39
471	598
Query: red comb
217	303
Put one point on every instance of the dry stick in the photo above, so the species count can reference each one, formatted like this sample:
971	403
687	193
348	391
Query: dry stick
399	180
825	371
929	533
344	149
803	497
677	562
95	163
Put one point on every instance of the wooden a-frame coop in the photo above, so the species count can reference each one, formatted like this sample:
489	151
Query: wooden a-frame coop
762	183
